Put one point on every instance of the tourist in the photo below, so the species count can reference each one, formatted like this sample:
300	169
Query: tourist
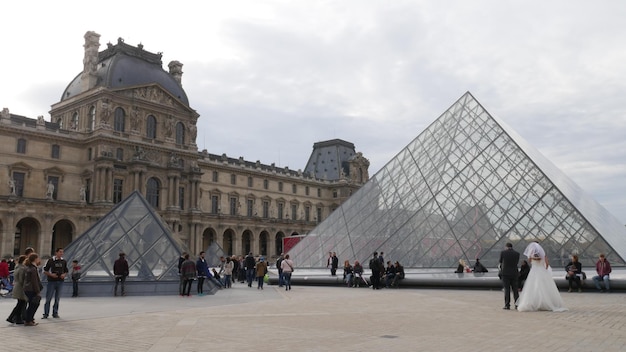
261	270
120	270
18	313
55	269
574	271
202	271
287	265
32	288
603	268
75	275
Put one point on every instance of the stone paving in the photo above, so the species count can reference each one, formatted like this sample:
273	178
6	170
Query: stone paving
322	319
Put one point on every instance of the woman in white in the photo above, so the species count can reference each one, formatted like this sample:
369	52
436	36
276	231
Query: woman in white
540	291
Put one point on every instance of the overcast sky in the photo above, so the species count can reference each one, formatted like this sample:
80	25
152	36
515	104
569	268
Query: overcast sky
270	78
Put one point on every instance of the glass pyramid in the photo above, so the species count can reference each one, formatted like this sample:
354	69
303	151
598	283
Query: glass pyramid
134	228
462	189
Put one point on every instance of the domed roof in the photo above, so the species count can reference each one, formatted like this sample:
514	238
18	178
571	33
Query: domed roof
123	65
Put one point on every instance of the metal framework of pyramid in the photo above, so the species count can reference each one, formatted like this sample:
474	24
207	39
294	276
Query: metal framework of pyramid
134	228
462	189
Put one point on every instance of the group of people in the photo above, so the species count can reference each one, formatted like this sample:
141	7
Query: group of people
389	276
231	269
539	289
27	286
464	268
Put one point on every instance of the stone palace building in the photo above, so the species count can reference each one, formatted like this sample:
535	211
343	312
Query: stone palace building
125	124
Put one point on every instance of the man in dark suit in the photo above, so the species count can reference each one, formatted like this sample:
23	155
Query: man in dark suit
508	264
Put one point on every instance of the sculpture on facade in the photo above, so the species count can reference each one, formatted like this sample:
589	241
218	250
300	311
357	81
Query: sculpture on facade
83	193
49	190
12	186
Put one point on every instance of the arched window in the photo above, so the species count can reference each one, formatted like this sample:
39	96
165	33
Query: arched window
120	120
60	123
152	192
151	127
180	133
91	123
74	123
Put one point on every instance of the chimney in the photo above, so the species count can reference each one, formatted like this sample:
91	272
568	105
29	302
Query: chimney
176	70
90	61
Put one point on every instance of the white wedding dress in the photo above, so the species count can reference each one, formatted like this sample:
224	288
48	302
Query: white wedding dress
540	291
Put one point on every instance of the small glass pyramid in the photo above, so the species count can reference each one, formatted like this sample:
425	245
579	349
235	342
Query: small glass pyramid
134	228
462	189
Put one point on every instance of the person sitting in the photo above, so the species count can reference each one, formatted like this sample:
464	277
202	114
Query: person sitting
399	275
603	268
462	267
357	270
390	274
524	269
574	273
479	267
347	273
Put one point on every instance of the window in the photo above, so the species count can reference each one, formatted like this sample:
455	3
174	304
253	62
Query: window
181	198
319	214
233	179
215	176
307	213
280	186
306	190
118	186
334	193
180	133
250	181
294	211
55	151
152	192
89	153
233	206
281	209
250	207
151	127
119	154
294	189
21	146
120	120
74	123
54	181
266	209
215	205
19	177
60	122
319	192
266	184
91	123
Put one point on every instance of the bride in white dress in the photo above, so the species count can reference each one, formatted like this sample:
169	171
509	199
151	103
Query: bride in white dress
540	291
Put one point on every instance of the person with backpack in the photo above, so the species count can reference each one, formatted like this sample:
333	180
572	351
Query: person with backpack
280	269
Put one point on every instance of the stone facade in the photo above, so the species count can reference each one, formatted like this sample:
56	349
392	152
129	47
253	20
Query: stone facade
103	142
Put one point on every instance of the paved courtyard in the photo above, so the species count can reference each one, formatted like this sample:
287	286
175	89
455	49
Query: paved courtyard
322	319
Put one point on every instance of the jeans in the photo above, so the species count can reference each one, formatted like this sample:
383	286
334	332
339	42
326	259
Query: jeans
119	279
605	278
281	281
250	274
259	282
187	287
53	288
287	279
18	313
33	303
228	280
348	279
74	288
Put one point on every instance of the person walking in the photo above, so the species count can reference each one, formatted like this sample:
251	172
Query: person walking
228	272
287	265
32	288
261	270
120	270
18	313
509	258
279	261
55	269
334	264
249	264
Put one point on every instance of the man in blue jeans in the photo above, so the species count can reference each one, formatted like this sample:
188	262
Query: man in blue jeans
55	269
249	263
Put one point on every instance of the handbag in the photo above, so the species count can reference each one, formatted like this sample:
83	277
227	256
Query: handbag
266	278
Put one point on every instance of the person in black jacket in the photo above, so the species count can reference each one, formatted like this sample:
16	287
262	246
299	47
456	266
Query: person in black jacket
334	264
509	259
120	270
574	273
377	268
249	264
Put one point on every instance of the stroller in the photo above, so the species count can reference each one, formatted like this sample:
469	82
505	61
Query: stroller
5	287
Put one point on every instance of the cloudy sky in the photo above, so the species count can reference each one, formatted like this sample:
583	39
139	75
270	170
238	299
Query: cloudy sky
270	78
